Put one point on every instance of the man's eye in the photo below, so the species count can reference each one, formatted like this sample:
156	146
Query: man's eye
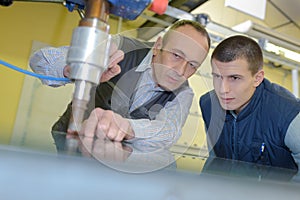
233	78
193	65
216	76
177	56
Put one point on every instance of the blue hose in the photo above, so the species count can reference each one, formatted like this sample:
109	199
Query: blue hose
40	76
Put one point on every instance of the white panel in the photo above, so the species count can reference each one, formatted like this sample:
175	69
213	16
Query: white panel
39	107
256	8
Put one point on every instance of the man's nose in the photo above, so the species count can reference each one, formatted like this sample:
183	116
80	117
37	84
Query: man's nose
224	87
180	67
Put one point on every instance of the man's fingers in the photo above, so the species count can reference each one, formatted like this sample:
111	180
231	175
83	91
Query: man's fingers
110	73
67	71
113	68
116	58
113	48
106	123
124	129
120	136
91	124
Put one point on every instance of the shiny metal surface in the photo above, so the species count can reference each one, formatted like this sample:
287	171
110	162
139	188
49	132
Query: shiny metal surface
44	165
88	56
96	168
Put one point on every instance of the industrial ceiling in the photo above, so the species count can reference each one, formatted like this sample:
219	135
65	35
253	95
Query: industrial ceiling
281	16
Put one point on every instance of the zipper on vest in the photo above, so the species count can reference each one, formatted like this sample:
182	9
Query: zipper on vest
233	137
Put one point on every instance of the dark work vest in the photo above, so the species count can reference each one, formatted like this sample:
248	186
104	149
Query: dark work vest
117	93
257	133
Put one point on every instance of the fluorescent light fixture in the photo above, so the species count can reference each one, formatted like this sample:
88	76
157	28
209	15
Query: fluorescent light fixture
261	32
282	52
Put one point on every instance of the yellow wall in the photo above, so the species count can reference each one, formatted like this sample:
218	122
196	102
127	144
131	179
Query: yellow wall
50	23
21	24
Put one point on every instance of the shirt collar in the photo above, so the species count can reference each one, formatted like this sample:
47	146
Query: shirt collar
146	65
146	62
253	104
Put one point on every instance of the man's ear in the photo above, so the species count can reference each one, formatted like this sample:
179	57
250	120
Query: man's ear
259	77
157	46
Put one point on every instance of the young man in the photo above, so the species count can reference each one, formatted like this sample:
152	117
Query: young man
150	99
246	117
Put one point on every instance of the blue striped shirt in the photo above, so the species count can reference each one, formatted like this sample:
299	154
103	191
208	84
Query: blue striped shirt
164	130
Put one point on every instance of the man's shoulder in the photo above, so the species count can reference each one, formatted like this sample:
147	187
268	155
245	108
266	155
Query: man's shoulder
279	93
206	98
278	101
129	44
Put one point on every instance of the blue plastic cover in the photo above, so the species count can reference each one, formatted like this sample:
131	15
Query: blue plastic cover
127	9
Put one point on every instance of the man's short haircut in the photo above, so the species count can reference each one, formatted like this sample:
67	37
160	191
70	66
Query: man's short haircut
201	29
240	47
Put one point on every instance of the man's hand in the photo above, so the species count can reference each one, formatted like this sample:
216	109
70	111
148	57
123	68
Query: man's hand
104	149
99	148
106	123
113	69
